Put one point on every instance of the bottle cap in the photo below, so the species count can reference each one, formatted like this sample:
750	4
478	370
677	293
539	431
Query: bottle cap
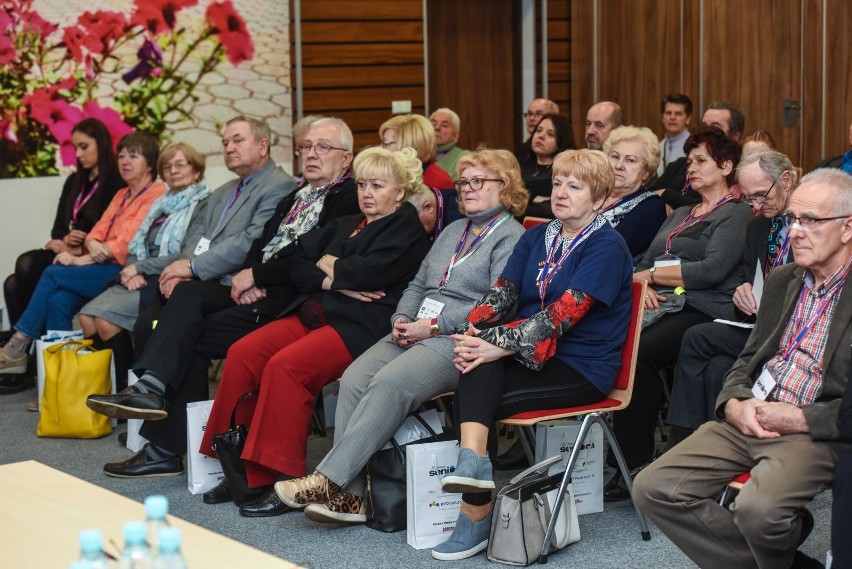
156	507
91	541
680	290
135	533
168	540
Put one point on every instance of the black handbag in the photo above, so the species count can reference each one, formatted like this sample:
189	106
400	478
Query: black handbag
386	497
229	446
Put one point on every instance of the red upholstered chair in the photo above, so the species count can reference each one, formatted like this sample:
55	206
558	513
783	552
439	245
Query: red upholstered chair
618	398
726	498
531	221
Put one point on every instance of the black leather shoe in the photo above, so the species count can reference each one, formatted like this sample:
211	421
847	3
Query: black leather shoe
218	495
137	466
127	404
615	490
15	382
267	505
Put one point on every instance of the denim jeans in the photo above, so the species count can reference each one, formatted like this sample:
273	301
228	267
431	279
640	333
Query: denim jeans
61	293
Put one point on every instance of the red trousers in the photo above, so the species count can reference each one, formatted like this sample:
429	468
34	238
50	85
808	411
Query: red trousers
289	364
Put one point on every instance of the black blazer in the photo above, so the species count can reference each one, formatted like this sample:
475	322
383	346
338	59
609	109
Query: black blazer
844	424
831	162
385	255
91	212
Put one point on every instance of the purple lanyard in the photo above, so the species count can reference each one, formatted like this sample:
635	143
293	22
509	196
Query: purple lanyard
121	207
550	268
81	201
687	221
439	222
800	308
458	258
297	210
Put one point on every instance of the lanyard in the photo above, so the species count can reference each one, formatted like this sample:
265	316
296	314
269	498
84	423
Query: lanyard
807	327
81	201
550	268
439	221
621	200
779	259
121	207
458	258
302	206
687	221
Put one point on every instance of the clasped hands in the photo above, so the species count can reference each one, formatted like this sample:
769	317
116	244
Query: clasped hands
471	350
765	419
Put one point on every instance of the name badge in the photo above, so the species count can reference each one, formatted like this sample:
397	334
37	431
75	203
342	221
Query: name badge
667	260
430	308
764	385
202	247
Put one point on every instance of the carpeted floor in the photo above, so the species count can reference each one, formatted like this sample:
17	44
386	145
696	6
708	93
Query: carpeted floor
610	539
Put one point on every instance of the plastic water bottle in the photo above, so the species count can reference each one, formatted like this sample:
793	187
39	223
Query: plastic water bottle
136	554
169	556
92	550
156	509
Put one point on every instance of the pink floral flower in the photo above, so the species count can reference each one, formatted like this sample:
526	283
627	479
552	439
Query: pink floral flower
231	28
94	33
157	16
7	46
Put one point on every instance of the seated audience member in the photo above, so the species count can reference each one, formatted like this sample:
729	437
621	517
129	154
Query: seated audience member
203	318
758	139
71	280
677	112
636	213
697	249
414	362
552	135
601	118
85	196
841	507
843	161
300	129
672	185
350	275
564	347
426	204
447	128
779	405
766	178
535	112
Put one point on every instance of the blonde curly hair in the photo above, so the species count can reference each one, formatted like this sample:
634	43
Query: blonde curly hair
403	167
514	196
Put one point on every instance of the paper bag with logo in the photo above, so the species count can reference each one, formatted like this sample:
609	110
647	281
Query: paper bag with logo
432	513
203	472
557	437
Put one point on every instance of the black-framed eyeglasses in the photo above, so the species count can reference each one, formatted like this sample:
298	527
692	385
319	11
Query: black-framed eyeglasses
537	114
474	183
320	148
759	197
808	223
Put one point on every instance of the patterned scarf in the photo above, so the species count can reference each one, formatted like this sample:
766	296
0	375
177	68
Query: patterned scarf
616	214
178	207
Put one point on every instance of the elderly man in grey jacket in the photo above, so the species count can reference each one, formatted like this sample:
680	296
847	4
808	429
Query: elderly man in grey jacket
779	405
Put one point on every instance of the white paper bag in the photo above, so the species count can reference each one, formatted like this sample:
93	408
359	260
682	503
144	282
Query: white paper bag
557	437
432	514
135	441
203	472
413	430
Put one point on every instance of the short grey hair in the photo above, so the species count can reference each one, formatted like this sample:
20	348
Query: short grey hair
301	126
454	118
258	127
839	180
773	164
342	128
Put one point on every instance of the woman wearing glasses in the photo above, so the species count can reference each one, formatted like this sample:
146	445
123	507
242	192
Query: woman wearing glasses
552	135
692	268
414	363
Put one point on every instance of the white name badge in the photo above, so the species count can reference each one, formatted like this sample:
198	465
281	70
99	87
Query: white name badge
764	385
203	245
430	308
666	261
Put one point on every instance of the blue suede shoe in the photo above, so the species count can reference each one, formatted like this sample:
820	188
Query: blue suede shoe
468	539
472	474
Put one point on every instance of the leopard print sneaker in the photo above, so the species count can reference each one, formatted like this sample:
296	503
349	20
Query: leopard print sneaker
342	508
312	489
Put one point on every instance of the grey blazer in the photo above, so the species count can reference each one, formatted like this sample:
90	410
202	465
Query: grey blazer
776	307
243	223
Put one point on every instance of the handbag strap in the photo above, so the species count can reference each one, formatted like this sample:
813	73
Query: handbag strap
398	448
537	469
75	345
242	398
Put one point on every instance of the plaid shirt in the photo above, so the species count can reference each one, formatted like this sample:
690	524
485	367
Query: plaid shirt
799	379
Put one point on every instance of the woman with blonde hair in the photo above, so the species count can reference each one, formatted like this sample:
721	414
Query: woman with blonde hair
414	362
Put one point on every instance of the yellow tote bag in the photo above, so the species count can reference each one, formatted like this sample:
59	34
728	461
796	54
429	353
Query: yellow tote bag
74	370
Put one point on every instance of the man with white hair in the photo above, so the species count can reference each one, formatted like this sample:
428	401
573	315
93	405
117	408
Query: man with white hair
447	128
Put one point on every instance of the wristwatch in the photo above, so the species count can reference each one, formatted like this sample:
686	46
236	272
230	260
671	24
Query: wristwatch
651	272
434	330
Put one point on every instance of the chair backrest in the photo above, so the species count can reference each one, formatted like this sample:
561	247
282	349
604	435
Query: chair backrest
624	380
531	221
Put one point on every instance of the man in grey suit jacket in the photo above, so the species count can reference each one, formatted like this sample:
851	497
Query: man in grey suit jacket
779	405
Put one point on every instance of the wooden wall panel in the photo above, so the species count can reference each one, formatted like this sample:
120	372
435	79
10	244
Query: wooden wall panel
838	76
812	103
558	54
582	64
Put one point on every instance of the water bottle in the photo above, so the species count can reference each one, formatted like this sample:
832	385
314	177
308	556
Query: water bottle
92	550
156	508
169	556
136	554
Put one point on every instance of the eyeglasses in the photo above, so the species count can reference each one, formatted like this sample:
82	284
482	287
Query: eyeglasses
759	197
808	223
320	148
179	165
537	114
474	183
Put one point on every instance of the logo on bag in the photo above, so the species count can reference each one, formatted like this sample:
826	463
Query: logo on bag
442	504
441	470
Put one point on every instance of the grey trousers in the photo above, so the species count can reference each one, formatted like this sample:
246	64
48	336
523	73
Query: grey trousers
676	492
377	392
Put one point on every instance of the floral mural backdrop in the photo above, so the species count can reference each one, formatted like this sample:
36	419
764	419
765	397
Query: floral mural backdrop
175	68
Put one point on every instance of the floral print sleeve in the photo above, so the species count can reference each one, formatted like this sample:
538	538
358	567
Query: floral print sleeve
534	339
498	303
